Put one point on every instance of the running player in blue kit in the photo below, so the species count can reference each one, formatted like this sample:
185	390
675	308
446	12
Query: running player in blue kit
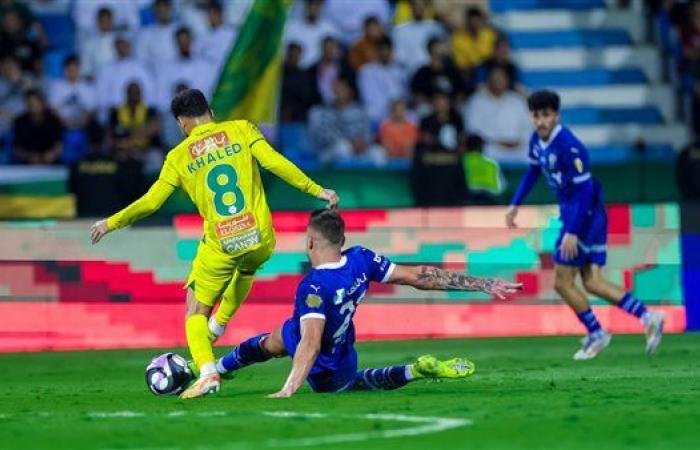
320	336
582	245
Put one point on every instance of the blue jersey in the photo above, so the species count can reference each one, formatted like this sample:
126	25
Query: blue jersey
564	163
333	292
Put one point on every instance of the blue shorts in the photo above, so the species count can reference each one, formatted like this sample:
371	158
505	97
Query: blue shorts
335	373
592	241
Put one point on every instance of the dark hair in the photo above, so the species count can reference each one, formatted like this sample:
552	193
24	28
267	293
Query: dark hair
385	41
189	103
330	224
541	100
163	2
104	11
474	12
497	67
432	42
294	45
35	93
216	5
183	30
71	59
369	21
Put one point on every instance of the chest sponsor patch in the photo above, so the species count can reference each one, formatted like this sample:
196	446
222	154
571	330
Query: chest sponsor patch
242	241
235	225
208	144
313	301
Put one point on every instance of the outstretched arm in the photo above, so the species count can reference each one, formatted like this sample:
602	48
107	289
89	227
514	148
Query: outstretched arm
149	203
431	278
305	356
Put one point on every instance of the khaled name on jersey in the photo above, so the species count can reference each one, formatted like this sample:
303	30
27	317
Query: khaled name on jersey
210	149
238	233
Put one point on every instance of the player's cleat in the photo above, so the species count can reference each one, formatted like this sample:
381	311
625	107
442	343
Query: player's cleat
592	344
428	366
654	330
195	371
209	384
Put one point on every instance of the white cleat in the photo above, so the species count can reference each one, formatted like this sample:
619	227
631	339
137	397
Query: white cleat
654	330
205	385
592	344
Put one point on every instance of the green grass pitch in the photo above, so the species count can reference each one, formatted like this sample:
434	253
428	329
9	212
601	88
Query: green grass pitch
527	394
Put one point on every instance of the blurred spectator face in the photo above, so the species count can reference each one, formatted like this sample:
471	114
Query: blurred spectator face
133	93
498	81
12	23
163	11
35	104
331	49
441	104
105	20
72	71
475	20
373	29
398	111
183	38
385	52
437	49
215	16
293	55
312	10
502	51
123	47
343	92
418	8
10	68
544	121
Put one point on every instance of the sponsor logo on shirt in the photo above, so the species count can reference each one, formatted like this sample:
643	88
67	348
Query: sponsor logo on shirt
579	165
208	144
241	241
234	226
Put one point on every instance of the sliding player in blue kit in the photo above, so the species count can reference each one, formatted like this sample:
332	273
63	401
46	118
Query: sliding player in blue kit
582	246
320	336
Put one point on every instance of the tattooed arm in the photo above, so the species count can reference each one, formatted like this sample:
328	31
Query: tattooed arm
435	279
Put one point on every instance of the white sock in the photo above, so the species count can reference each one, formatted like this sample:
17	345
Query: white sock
207	369
645	318
220	366
215	328
409	373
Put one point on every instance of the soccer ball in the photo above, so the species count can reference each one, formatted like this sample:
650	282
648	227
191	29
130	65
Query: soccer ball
168	374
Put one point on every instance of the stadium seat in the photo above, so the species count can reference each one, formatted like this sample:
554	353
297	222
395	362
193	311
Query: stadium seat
53	62
60	31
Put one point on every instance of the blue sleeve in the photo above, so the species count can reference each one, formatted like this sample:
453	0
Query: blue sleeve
311	300
526	184
576	175
380	268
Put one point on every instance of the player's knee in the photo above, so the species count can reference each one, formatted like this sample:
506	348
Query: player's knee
592	285
563	284
273	346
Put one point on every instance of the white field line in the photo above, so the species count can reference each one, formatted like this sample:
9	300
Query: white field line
419	425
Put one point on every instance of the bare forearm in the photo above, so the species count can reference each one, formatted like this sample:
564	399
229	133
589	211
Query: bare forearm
303	361
436	279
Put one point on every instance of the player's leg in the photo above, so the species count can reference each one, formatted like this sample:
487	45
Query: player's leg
595	282
197	333
257	349
565	284
239	287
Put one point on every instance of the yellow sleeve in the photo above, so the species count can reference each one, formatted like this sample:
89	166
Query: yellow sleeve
143	207
271	160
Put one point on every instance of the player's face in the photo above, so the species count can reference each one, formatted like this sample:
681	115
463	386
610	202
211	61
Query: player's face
544	121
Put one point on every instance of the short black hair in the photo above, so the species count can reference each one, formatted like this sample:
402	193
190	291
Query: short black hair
70	59
474	11
183	30
541	100
104	11
432	42
385	41
215	5
189	103
330	224
370	20
33	92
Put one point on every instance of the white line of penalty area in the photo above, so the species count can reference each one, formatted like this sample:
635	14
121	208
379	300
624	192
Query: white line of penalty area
418	425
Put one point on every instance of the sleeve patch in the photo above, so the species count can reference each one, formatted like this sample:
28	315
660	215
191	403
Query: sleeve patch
579	165
313	301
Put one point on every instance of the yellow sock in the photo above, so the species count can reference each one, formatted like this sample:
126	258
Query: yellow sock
197	332
233	297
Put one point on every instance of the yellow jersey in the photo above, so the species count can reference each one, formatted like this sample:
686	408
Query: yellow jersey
217	166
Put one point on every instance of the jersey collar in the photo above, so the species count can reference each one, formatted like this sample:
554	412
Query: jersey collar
203	128
552	136
335	265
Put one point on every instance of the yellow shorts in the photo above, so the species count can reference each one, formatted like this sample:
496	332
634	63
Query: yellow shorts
212	271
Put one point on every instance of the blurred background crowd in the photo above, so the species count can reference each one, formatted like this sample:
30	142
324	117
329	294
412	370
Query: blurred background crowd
428	87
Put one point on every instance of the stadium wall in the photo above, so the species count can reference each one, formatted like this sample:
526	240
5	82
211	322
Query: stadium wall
57	292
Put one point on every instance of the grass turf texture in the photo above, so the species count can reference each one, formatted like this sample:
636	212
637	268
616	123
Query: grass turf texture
527	393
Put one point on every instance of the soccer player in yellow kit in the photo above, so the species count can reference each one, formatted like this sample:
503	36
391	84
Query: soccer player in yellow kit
217	165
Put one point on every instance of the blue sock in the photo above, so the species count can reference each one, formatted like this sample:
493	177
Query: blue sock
245	354
387	378
632	305
589	320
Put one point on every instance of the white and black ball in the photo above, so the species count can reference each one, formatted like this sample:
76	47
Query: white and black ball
168	374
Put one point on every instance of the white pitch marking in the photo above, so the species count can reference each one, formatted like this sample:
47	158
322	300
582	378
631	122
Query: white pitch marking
116	414
177	413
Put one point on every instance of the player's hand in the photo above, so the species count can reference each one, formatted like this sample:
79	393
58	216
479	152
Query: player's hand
284	393
511	214
502	288
569	247
331	197
98	231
